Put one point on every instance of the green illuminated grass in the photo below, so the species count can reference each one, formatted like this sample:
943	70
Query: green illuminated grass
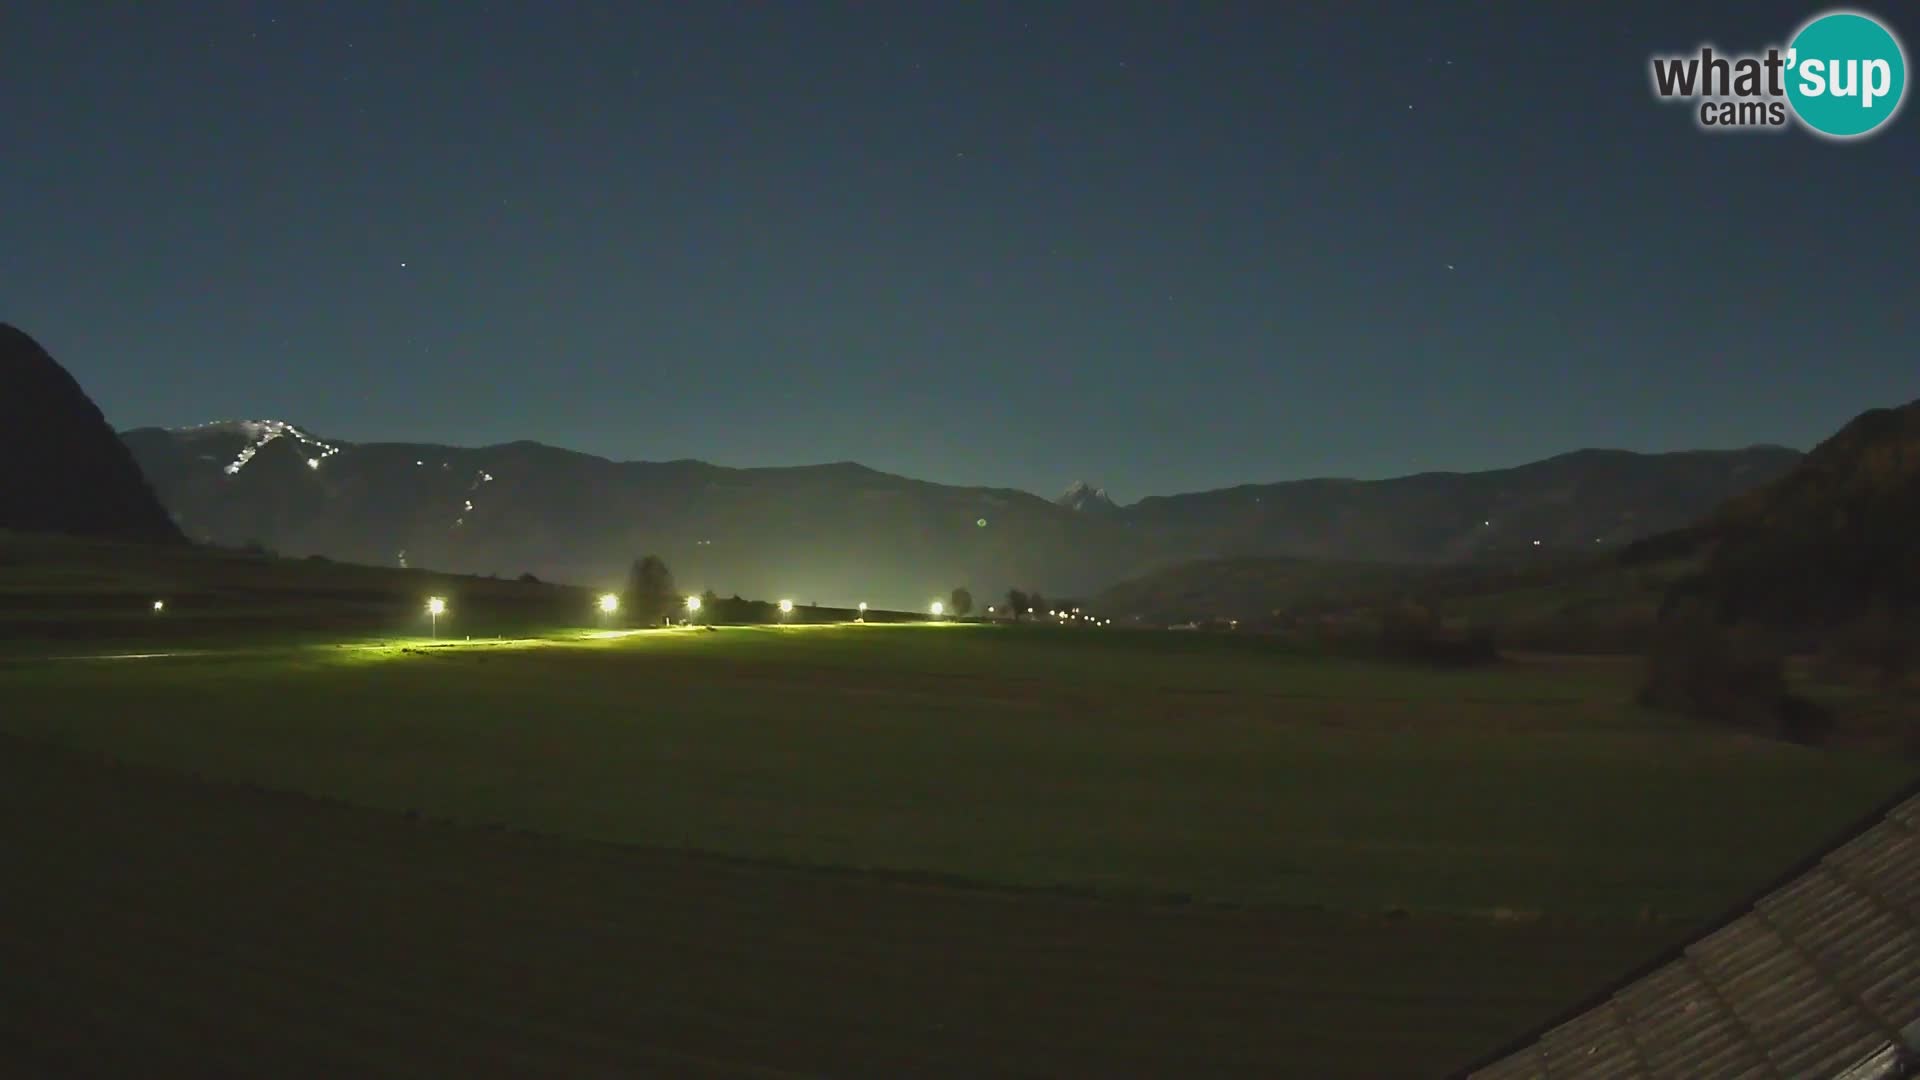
1102	761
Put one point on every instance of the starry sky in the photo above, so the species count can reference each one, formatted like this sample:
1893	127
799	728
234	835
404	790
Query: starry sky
1162	247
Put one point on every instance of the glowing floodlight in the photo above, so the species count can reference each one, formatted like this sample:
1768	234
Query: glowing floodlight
609	603
786	607
436	606
693	603
937	608
159	606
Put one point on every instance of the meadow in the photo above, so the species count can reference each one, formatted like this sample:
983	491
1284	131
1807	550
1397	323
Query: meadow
1167	765
1447	855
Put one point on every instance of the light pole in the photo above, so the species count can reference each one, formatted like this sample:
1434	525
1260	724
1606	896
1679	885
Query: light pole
609	603
863	612
938	608
435	606
693	608
786	608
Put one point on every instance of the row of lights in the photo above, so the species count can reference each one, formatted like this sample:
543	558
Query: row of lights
610	603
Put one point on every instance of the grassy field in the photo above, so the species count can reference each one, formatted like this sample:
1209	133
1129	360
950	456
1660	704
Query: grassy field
874	848
162	926
1109	762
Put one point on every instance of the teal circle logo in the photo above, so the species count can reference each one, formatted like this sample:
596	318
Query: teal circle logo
1846	74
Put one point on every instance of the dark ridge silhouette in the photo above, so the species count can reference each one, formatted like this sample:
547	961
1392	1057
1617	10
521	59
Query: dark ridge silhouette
62	468
1829	541
1821	560
846	533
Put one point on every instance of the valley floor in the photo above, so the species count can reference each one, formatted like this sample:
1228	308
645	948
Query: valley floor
850	850
160	925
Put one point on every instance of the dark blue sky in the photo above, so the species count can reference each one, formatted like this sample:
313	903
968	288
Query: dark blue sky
1160	246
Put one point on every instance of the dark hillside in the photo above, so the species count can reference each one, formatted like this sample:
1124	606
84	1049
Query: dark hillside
62	468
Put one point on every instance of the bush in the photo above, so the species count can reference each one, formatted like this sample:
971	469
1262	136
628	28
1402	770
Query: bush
1411	631
1730	675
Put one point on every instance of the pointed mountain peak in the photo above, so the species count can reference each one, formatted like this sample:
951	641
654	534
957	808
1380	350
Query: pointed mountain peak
1081	495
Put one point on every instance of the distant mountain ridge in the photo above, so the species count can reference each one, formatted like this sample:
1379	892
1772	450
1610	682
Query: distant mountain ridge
62	470
843	533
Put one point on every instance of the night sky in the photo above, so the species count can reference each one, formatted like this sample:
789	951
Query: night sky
1158	246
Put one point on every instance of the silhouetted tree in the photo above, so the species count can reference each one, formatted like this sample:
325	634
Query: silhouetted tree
650	594
1018	602
1735	675
528	578
961	602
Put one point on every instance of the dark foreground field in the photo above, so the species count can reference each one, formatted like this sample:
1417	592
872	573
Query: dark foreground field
838	850
157	925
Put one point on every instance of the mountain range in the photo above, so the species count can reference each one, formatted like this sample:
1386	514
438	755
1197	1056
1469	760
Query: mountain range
842	532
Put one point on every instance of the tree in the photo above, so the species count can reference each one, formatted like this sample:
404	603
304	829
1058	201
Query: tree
1018	603
961	602
650	595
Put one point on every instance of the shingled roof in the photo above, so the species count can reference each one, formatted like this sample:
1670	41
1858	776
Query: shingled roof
1819	976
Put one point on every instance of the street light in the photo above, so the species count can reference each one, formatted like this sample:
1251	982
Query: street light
435	607
863	612
693	608
609	603
938	607
786	607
